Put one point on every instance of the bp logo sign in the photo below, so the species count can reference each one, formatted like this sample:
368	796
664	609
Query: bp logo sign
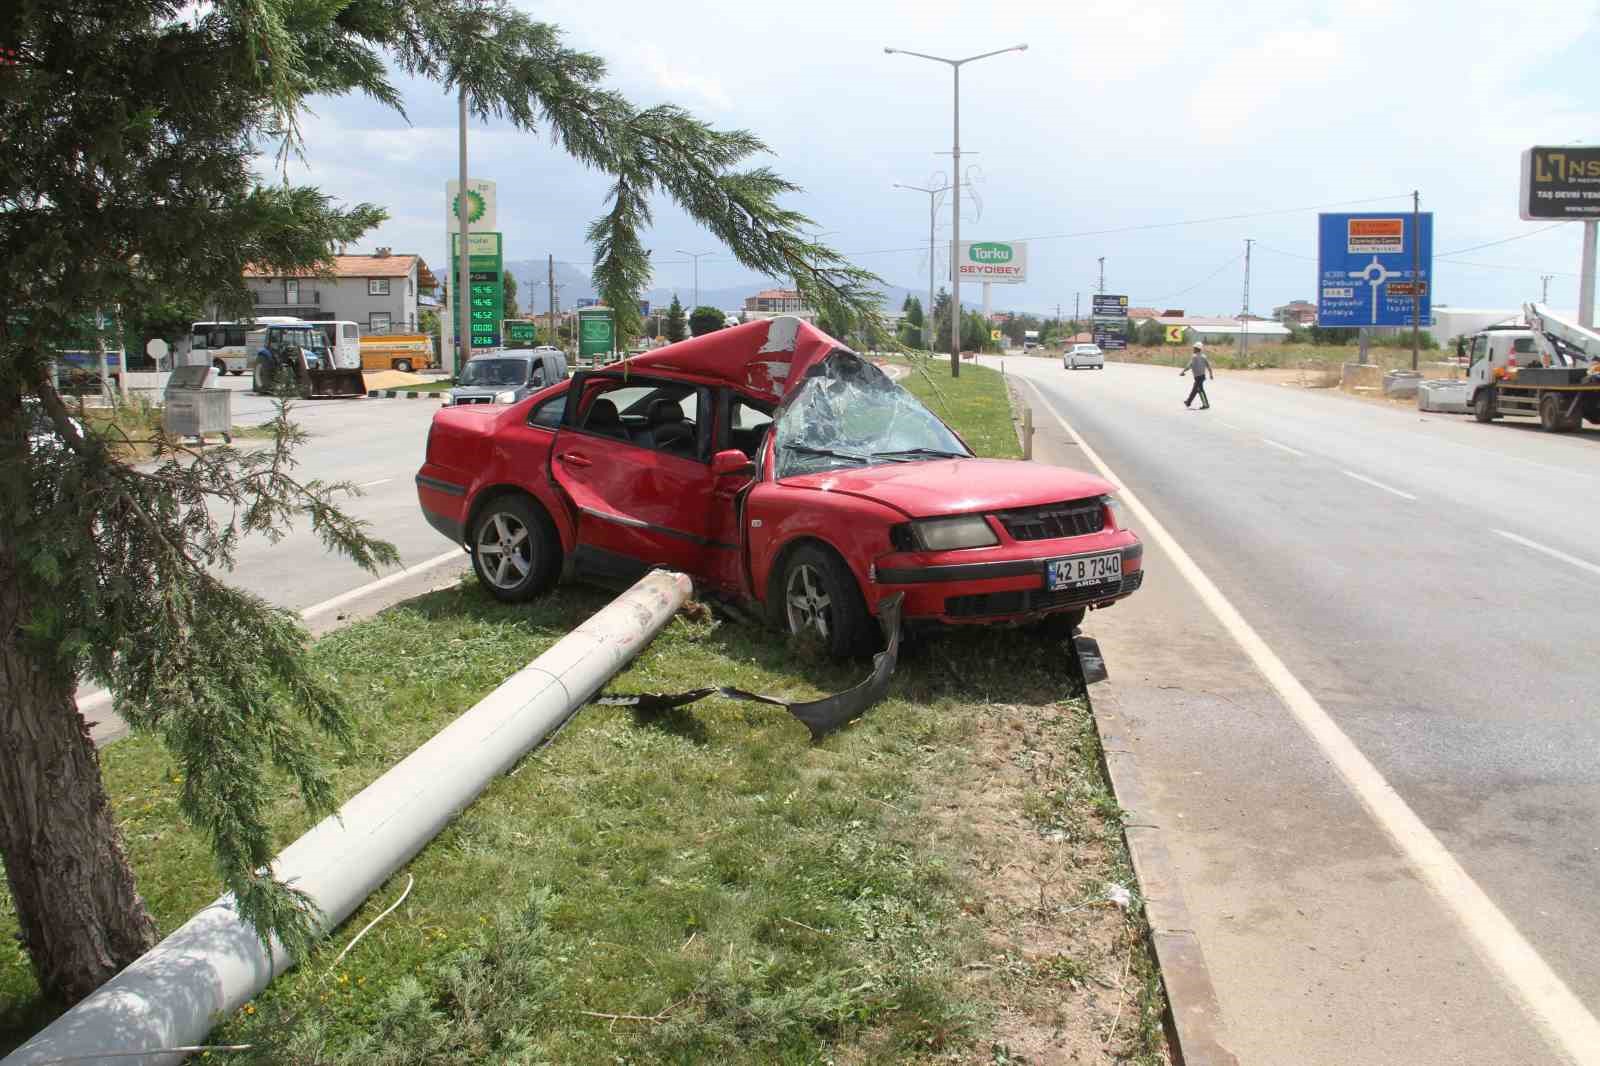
1003	262
475	206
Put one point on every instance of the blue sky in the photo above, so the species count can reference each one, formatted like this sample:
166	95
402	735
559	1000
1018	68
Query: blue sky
1138	114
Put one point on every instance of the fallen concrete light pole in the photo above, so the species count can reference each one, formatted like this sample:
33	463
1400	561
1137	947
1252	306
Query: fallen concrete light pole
174	994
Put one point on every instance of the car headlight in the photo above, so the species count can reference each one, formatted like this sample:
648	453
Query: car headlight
1114	505
946	534
509	396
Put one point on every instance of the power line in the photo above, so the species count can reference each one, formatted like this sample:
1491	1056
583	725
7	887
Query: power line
1184	292
1507	240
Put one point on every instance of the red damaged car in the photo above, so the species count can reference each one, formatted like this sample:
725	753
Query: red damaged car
778	468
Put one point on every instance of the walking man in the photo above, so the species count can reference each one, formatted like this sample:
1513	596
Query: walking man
1200	366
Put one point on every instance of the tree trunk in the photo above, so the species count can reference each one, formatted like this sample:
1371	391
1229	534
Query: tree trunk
82	918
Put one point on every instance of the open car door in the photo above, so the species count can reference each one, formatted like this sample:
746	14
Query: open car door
633	457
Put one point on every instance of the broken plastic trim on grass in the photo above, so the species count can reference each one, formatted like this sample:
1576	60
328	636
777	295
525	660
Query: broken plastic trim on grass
820	716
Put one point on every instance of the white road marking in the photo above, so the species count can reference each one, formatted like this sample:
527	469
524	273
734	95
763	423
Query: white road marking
369	484
1560	1015
1563	556
1283	447
1380	485
382	583
97	698
1230	425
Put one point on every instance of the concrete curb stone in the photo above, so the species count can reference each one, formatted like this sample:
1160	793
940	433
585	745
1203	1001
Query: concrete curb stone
1195	1029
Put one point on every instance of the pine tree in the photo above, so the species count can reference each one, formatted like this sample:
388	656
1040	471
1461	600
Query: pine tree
677	322
131	131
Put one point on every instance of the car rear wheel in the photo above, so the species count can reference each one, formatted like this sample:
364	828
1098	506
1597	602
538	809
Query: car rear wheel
821	601
513	549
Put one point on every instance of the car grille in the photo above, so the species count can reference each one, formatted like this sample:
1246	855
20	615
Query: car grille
1075	518
474	399
1021	601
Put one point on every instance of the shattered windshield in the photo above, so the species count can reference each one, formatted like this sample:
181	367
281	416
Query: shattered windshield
494	372
848	413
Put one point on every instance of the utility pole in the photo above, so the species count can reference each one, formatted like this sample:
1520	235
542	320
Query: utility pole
1416	275
1244	315
1545	296
1075	300
463	224
927	314
1102	289
555	330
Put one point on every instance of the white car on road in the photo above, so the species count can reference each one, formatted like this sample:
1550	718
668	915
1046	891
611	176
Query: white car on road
1087	355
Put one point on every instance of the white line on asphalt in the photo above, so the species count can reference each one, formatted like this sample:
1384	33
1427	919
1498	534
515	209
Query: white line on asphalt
1379	485
1229	425
97	698
1283	447
1563	556
369	484
1562	1017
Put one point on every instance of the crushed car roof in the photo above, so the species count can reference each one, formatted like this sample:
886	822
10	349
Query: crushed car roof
766	358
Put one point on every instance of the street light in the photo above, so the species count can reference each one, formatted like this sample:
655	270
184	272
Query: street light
927	315
955	66
696	257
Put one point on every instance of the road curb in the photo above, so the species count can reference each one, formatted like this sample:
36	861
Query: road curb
1194	1024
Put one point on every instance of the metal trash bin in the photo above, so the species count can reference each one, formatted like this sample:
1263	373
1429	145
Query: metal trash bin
192	410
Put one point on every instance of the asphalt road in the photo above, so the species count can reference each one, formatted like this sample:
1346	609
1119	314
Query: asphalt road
1431	582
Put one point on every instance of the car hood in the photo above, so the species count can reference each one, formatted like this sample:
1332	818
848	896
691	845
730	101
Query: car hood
956	486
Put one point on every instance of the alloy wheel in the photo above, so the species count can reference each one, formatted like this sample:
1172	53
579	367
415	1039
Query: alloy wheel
807	602
504	550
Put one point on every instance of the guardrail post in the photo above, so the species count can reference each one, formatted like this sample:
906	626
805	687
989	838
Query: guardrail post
1027	432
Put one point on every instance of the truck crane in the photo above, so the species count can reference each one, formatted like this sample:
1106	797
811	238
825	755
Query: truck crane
1549	370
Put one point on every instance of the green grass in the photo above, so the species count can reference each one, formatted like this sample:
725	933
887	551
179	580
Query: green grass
975	403
1287	356
707	884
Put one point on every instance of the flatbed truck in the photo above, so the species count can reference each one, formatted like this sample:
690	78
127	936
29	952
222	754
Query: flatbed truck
1549	370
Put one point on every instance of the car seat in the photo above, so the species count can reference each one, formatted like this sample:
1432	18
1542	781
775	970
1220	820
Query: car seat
603	418
669	430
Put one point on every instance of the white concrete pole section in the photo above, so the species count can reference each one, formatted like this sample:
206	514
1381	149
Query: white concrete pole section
210	966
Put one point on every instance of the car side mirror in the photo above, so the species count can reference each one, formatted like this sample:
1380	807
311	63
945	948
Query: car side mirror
730	462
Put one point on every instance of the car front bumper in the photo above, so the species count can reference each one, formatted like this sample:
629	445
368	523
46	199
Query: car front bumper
1005	587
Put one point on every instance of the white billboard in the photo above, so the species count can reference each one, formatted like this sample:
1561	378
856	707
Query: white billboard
999	262
481	210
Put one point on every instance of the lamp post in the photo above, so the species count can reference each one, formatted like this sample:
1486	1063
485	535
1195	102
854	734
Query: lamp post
955	66
927	315
695	256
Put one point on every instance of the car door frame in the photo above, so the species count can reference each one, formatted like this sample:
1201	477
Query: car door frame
619	539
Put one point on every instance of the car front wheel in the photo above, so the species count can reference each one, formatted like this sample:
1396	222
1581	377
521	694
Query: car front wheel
513	549
821	601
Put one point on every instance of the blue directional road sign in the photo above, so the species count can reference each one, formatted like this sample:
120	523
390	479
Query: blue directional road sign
1364	269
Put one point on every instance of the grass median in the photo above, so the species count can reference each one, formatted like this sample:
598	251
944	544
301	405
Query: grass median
937	882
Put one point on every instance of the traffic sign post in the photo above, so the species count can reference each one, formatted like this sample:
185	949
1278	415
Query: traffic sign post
486	269
1373	270
1110	322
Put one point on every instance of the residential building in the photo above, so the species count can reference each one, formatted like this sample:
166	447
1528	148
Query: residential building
770	303
381	293
1227	330
1296	313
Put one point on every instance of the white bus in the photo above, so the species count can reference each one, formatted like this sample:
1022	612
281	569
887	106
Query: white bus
219	344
